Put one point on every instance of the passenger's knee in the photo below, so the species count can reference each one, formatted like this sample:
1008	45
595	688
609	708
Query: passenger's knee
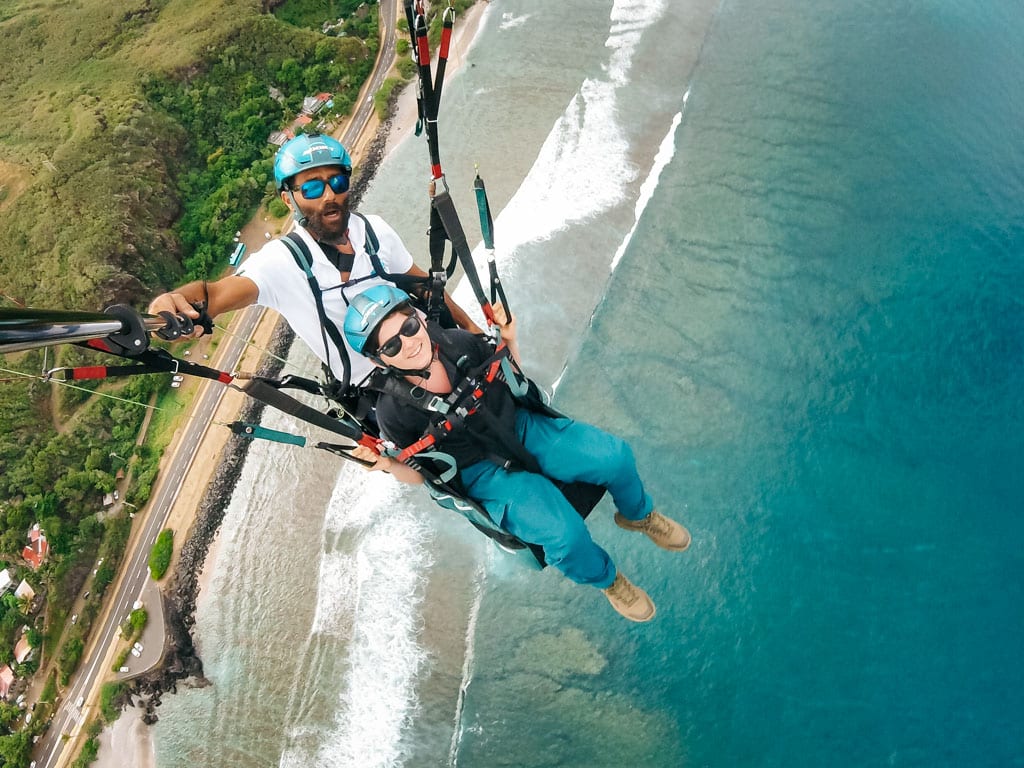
618	456
562	541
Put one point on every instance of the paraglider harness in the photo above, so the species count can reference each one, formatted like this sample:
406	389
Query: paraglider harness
463	409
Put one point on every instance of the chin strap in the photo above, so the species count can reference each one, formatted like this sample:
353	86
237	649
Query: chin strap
300	218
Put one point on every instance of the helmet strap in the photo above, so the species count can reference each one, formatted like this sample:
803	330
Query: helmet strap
300	218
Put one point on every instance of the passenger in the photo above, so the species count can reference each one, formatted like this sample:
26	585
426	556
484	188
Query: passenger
488	446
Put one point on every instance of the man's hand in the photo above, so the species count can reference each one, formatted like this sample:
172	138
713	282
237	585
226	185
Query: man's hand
176	304
189	301
507	327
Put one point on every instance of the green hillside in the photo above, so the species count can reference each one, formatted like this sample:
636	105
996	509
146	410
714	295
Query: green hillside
117	122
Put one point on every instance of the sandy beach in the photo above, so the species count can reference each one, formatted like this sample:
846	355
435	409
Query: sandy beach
129	741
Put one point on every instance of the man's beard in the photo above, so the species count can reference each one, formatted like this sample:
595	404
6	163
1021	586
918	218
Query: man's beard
334	233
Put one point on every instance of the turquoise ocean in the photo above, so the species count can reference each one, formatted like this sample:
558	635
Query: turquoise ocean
777	246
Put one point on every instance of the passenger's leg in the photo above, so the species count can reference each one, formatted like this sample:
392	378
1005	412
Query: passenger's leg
531	508
570	450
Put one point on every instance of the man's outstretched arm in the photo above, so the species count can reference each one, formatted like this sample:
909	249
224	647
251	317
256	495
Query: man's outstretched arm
224	295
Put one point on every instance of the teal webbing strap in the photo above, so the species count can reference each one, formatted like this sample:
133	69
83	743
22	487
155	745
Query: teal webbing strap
518	386
254	431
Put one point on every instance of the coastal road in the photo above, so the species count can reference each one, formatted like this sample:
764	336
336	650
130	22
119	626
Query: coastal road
68	717
364	108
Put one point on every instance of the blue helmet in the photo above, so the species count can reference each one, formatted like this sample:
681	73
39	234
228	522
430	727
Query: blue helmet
368	309
308	151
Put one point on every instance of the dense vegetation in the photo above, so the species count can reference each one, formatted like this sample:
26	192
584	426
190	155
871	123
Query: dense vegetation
144	174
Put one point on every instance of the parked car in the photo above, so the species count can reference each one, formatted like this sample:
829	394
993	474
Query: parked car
135	653
79	702
175	384
123	669
74	618
177	377
86	595
138	647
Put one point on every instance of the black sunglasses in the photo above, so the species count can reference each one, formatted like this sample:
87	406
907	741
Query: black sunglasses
393	346
314	188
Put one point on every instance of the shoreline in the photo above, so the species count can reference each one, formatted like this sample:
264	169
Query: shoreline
197	515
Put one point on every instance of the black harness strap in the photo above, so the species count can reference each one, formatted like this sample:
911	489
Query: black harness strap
149	361
304	259
444	208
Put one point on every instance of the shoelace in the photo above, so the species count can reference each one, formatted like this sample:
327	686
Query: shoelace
624	591
656	523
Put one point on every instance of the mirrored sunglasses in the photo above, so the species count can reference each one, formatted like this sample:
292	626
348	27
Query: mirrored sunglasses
314	188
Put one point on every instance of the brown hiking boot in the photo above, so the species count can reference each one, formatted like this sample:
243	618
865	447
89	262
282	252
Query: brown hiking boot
629	600
666	533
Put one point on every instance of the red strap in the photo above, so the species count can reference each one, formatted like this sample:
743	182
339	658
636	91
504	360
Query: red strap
446	38
370	442
88	372
420	445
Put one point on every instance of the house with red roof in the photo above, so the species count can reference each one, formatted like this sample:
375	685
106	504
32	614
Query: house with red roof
37	548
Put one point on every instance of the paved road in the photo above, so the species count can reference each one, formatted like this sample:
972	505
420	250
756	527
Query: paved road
92	672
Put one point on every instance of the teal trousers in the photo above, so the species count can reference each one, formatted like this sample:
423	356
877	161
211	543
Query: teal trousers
531	507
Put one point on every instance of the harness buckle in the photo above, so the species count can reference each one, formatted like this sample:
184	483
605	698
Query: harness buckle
438	404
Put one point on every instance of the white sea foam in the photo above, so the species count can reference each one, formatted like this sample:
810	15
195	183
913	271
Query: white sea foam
511	21
369	589
467	664
585	149
629	20
666	151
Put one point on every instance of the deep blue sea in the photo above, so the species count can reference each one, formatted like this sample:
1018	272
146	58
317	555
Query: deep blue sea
778	246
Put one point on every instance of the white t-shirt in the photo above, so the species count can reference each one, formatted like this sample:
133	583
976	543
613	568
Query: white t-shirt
283	286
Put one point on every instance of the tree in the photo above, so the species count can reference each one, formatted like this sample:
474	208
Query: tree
8	714
277	208
15	749
138	619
